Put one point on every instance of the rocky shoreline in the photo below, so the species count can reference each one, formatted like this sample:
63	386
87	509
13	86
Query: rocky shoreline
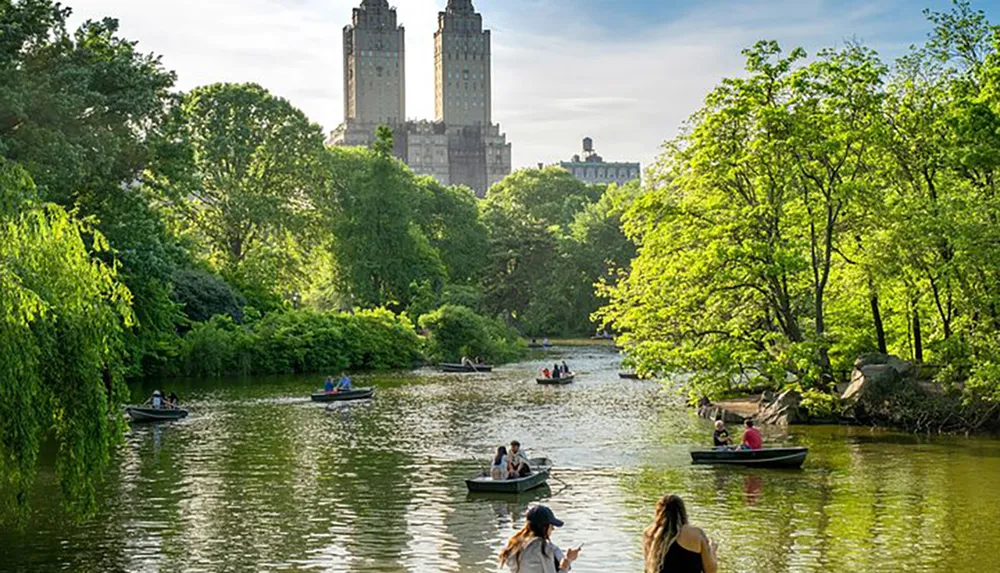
884	391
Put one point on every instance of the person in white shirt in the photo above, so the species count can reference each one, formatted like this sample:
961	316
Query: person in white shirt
518	461
157	399
531	550
498	470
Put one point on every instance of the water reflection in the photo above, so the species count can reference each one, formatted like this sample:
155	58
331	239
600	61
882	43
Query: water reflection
258	478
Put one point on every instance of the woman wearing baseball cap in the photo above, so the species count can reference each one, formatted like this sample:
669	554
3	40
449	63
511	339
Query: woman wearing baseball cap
531	551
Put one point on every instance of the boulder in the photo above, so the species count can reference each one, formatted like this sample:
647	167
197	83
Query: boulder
871	386
785	410
766	398
904	368
714	412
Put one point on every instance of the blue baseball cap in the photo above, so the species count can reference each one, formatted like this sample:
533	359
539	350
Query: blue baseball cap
541	515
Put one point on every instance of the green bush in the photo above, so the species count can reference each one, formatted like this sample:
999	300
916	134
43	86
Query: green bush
457	331
204	295
301	341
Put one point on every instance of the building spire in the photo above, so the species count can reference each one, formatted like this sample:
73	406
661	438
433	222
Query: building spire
460	7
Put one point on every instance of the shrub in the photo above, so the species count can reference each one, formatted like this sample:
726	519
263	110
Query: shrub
457	331
204	295
301	341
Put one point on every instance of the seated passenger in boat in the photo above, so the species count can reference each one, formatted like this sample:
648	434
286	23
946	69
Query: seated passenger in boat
546	373
173	401
344	385
466	361
498	470
157	400
517	461
751	437
565	369
721	437
328	385
556	372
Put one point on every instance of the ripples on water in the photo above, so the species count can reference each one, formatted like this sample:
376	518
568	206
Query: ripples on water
259	478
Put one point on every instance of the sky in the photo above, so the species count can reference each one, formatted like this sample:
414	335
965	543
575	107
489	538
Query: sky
627	73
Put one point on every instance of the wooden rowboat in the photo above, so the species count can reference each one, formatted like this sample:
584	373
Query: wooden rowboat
538	477
144	414
463	368
557	381
629	376
356	394
766	458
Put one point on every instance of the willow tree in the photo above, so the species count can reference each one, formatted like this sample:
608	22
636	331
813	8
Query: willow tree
62	315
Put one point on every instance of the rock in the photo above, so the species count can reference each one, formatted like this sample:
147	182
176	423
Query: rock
784	410
867	380
871	386
713	412
904	368
766	398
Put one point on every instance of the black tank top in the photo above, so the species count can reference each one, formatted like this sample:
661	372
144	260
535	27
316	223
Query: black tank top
680	560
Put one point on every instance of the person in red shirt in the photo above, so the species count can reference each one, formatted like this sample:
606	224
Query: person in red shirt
751	437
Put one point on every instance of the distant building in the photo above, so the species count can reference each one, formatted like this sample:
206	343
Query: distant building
593	169
462	146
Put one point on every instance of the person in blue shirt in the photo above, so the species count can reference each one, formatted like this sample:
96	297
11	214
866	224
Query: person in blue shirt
345	383
328	386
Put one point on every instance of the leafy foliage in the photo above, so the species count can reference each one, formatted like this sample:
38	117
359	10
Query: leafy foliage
456	331
238	166
62	314
301	341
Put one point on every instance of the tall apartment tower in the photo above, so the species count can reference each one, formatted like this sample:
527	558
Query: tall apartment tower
463	94
374	66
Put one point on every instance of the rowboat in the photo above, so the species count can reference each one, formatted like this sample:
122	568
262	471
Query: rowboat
629	376
766	458
466	368
538	476
144	414
557	381
356	394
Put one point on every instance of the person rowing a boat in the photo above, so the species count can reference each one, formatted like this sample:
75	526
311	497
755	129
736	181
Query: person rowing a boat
344	385
751	437
329	385
518	461
157	400
721	438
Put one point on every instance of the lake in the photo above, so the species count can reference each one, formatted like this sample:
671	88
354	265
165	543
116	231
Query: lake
259	478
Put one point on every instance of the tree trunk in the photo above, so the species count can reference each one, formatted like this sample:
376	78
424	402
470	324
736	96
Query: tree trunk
918	343
879	327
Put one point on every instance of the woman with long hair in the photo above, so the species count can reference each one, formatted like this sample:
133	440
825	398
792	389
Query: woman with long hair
531	551
672	545
498	469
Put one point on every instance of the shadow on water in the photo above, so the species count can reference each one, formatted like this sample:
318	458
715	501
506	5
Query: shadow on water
259	478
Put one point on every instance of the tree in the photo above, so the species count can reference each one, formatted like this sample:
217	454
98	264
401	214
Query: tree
62	315
239	168
75	109
746	213
370	206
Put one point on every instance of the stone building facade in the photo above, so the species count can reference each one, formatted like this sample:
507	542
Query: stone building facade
374	66
461	146
594	170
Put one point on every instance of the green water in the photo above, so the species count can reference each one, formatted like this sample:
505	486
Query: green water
258	478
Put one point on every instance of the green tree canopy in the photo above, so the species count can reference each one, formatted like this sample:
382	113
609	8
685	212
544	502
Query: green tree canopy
239	166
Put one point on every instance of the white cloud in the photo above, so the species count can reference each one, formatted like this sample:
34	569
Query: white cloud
551	86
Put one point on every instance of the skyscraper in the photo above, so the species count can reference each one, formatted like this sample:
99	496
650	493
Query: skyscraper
462	66
374	65
461	146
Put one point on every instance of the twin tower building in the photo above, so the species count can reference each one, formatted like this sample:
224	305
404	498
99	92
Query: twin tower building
462	145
